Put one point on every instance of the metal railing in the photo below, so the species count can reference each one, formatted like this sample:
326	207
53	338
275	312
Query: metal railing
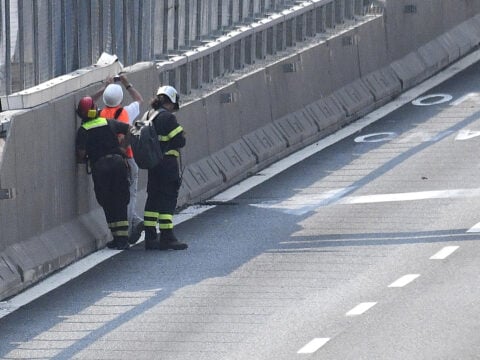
43	39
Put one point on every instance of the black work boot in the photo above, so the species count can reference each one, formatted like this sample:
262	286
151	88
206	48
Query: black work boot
151	239
169	241
136	233
119	243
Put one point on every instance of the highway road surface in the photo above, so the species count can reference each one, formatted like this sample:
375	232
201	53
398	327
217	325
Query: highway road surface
365	245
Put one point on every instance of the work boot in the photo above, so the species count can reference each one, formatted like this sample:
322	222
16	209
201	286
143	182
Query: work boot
151	239
136	233
168	241
118	243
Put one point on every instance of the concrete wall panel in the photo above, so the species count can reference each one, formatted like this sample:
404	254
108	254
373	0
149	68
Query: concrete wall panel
344	62
8	207
383	84
285	86
317	78
223	117
234	161
193	118
372	46
410	70
410	24
254	102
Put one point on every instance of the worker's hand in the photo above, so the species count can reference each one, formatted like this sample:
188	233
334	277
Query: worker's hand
109	80
124	80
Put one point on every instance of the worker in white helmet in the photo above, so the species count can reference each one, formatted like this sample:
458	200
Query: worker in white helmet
164	180
112	92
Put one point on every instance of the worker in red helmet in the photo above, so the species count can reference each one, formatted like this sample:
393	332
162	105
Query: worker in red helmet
97	143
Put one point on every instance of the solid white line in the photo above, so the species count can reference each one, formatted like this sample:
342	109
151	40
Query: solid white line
444	253
92	260
361	308
404	280
313	346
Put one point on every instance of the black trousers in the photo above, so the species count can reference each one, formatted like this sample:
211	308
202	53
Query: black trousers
110	180
162	194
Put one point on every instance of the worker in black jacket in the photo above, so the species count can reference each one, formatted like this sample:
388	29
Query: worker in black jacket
164	179
98	144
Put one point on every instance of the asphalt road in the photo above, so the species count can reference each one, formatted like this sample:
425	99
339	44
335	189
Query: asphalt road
364	250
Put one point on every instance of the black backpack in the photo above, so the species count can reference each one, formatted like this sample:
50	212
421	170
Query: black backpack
144	141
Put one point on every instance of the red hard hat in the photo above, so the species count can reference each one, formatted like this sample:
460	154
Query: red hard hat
84	105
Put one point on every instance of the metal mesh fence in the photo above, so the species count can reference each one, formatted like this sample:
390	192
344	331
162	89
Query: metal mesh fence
43	39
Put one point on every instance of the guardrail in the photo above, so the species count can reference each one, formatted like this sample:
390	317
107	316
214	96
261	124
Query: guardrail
244	44
41	40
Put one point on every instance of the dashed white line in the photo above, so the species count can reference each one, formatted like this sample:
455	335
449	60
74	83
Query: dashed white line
313	346
404	280
444	253
474	228
361	308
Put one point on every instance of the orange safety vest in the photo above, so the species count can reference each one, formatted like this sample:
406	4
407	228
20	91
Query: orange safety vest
109	113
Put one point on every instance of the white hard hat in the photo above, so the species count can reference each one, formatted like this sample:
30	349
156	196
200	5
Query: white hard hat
171	93
113	95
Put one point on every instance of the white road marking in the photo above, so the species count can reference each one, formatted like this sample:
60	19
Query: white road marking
404	280
361	308
474	228
464	98
444	253
443	98
300	204
467	134
94	259
409	196
313	346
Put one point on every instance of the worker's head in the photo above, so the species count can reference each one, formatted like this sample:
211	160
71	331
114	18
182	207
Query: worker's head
167	95
86	108
113	95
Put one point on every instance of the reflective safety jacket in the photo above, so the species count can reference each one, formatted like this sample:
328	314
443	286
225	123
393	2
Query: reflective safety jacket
98	137
120	114
170	133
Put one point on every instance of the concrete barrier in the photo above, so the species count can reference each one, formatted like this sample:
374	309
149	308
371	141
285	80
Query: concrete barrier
355	98
267	145
327	113
383	84
434	56
410	70
50	217
235	161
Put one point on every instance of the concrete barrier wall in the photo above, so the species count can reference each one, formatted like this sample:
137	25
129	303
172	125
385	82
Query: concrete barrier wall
411	24
49	215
